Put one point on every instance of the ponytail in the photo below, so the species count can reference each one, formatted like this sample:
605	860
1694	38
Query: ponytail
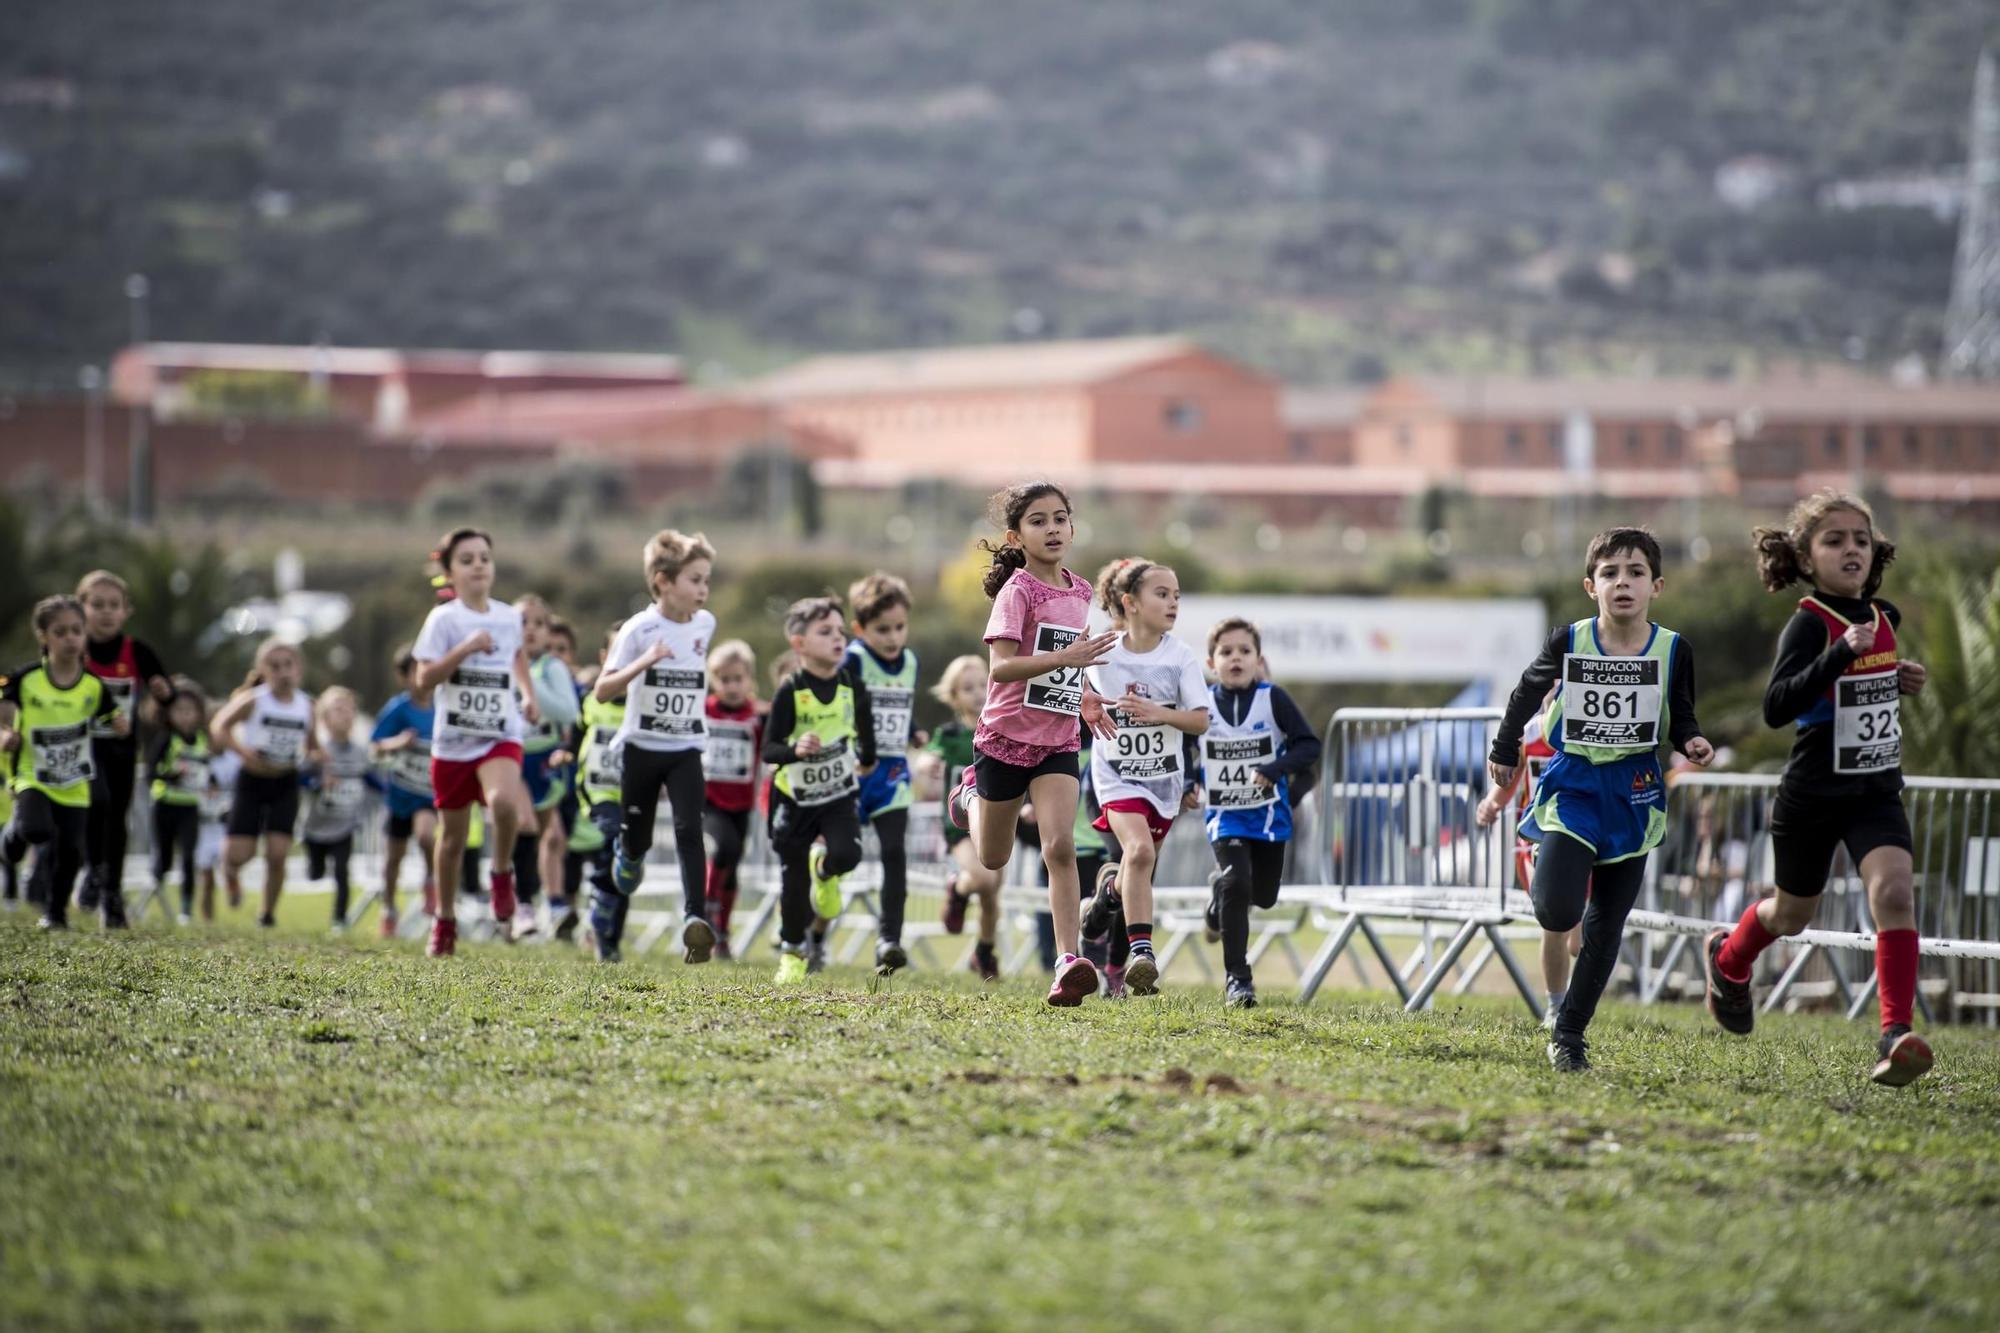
1006	559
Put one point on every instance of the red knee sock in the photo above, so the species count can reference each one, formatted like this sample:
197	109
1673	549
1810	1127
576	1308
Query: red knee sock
721	894
1896	975
1740	950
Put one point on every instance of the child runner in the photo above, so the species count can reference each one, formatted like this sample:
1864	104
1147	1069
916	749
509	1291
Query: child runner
880	658
1039	648
128	669
1839	677
179	762
1158	694
469	653
729	767
275	742
47	710
821	735
1623	684
401	742
600	777
340	780
543	766
659	666
1255	747
565	894
962	688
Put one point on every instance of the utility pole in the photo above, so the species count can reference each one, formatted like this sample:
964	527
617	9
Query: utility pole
139	440
91	380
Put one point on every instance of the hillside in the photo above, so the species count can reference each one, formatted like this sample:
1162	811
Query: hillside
1403	182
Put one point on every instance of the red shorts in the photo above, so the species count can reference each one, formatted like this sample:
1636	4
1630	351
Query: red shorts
1156	824
455	782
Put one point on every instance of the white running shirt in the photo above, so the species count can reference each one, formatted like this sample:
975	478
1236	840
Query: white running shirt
477	708
1147	761
666	708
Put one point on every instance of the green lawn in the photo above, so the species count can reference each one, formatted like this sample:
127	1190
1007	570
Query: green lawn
222	1130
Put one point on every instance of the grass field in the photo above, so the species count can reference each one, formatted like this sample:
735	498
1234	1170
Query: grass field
225	1130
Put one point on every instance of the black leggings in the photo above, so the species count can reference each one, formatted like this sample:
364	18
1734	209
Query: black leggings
1570	886
322	856
793	829
176	828
679	771
892	829
57	833
1251	871
117	764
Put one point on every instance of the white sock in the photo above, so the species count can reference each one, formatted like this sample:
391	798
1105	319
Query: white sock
1556	998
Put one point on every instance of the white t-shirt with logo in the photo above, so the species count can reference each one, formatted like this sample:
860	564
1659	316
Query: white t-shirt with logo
478	707
666	707
1146	761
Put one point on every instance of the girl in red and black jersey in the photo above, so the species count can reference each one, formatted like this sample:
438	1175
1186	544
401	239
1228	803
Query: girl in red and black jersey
1838	677
730	765
128	670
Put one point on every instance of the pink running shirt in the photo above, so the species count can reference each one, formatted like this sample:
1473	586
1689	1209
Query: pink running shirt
1040	713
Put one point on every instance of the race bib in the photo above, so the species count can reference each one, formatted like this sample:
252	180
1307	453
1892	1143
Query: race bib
1229	771
62	754
192	774
892	707
604	760
476	703
410	768
124	692
281	741
1612	701
1867	723
731	755
1061	690
826	777
1145	754
671	701
343	794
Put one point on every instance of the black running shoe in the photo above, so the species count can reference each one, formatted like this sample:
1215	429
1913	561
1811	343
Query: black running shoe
1104	906
1901	1058
111	908
889	957
1729	1001
50	921
1568	1059
1240	994
86	894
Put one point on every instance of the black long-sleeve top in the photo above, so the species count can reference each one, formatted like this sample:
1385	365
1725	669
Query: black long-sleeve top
1543	673
1809	661
778	747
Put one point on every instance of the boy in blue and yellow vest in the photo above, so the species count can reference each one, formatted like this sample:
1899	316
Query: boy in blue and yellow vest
886	667
46	711
179	763
821	738
1623	685
600	777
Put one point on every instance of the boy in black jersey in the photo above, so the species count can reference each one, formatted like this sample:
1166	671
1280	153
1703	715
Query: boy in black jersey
1839	679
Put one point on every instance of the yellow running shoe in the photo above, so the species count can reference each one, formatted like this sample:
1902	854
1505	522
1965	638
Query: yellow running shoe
827	900
791	970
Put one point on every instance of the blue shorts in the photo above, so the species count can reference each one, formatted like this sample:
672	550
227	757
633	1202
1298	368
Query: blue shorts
886	789
546	785
1618	810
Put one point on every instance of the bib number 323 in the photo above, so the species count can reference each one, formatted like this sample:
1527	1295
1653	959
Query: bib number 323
1867	723
1061	690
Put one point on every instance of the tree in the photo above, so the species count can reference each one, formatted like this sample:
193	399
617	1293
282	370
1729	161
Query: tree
1952	729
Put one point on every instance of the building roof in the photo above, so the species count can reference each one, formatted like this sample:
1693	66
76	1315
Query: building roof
383	361
619	415
1832	393
1001	366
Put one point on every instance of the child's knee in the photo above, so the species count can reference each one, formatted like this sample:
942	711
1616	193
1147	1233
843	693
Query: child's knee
1893	894
1058	849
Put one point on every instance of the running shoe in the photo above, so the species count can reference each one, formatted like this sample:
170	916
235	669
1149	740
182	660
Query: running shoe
266	921
1114	981
603	949
1075	979
816	953
1211	916
889	957
50	921
1239	994
504	903
86	894
825	888
389	923
1902	1057
958	807
1729	1001
1142	973
627	875
723	953
1568	1059
954	907
1104	906
444	937
563	919
111	908
792	969
697	940
985	963
184	919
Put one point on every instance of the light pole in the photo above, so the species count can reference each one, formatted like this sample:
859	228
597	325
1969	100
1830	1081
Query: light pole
139	440
91	380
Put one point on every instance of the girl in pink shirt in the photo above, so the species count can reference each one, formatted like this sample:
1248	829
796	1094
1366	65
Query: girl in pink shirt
1027	740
